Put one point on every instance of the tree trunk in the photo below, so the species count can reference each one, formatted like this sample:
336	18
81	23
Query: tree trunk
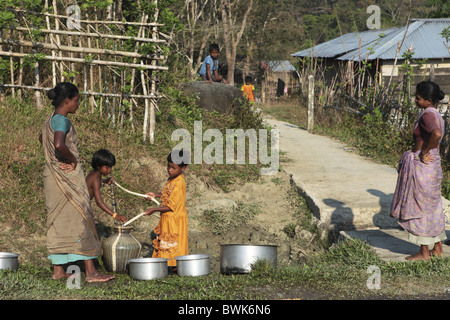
199	18
231	38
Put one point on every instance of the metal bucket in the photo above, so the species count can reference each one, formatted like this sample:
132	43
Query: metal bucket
148	268
238	258
193	265
9	260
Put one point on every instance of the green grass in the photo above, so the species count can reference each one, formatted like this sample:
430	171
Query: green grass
340	273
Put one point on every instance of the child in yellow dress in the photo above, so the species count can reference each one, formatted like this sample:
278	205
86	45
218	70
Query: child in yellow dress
172	232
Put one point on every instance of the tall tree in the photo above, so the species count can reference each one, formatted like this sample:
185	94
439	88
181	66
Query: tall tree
233	28
200	16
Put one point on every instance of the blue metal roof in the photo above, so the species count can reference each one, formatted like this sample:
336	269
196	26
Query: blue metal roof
343	44
280	65
422	36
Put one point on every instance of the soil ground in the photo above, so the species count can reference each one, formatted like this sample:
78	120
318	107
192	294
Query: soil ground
271	200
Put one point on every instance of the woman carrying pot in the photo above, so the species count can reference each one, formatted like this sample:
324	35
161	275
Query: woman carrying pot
71	233
417	201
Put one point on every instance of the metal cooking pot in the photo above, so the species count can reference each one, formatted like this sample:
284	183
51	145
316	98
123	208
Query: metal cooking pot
9	260
148	268
193	265
238	258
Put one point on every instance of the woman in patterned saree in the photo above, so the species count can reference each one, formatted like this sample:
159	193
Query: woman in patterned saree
71	233
417	201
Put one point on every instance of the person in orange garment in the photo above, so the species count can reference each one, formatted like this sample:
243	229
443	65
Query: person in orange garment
248	89
172	231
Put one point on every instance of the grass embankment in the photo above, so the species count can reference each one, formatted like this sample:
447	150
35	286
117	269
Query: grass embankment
140	166
337	273
340	273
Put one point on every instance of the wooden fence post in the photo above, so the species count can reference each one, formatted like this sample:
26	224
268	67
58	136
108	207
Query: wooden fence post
37	83
310	103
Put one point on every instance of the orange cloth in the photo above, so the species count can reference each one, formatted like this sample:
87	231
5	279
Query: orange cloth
172	231
247	89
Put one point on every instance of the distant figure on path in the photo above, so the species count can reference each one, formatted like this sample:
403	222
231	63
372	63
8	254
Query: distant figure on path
417	201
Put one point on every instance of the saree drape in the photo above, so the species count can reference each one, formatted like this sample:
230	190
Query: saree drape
70	221
417	201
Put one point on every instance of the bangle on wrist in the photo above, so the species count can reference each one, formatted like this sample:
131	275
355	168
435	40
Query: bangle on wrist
114	215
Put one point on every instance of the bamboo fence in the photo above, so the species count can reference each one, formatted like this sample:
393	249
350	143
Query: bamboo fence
99	56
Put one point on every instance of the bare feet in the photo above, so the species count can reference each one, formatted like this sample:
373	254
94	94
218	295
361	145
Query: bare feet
59	273
99	277
437	250
61	276
92	275
418	256
423	254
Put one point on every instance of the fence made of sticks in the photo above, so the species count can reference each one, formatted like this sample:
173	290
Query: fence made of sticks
359	91
115	64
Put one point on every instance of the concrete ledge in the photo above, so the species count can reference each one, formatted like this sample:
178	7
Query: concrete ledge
389	244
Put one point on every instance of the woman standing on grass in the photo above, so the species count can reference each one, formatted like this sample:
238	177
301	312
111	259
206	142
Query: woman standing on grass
417	201
71	233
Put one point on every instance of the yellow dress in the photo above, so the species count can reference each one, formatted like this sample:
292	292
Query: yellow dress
172	232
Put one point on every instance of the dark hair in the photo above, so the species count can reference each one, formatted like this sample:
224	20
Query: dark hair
214	46
102	157
429	91
62	91
248	79
184	157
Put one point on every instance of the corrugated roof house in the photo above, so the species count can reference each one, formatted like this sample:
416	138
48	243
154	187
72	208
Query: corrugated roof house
421	36
343	44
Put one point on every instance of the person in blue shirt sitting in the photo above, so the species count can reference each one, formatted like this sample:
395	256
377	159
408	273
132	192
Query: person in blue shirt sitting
209	71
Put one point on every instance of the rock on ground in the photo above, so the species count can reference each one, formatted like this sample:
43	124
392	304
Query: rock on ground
214	96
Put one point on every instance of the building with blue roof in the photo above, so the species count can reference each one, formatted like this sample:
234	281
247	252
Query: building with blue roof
384	48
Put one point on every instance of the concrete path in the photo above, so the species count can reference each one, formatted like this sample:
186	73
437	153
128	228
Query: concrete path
343	189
